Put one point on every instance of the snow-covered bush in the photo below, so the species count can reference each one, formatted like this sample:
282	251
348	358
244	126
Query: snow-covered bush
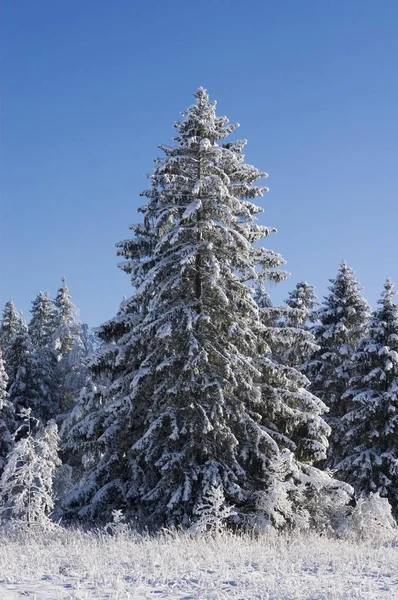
26	484
371	518
301	497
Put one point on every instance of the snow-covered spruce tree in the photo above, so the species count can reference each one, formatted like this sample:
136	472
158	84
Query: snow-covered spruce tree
42	324
11	323
68	327
300	314
342	321
298	493
72	354
196	399
26	496
32	386
369	430
14	352
7	422
41	330
303	301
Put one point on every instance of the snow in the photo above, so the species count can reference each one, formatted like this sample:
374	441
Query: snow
72	565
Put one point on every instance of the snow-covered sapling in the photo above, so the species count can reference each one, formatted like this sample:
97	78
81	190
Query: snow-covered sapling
213	514
26	495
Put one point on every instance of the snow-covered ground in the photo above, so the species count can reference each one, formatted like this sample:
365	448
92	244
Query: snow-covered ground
73	565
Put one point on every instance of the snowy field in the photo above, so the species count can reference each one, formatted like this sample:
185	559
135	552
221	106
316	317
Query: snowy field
80	566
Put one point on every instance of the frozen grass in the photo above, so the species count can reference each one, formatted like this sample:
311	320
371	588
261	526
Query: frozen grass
86	566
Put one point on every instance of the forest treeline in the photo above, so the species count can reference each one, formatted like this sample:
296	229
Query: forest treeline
201	399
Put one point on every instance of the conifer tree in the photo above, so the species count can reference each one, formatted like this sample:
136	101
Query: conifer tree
15	351
42	324
68	327
41	330
342	322
368	433
12	322
72	348
196	399
7	423
300	314
32	386
302	301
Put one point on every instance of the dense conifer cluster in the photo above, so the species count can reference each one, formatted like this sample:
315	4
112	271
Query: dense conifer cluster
200	393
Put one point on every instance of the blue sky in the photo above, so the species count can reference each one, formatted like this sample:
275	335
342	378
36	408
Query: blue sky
88	90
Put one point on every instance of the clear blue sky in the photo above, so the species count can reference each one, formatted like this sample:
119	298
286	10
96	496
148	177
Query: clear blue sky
90	87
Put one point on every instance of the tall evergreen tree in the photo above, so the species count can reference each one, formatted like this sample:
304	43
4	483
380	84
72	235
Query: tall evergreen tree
72	345
14	352
68	327
196	399
343	321
302	301
41	330
369	430
300	314
11	323
42	324
32	386
7	423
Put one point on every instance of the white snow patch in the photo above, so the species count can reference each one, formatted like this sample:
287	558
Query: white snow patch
78	566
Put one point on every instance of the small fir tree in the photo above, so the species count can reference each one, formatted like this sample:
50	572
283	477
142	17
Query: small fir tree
26	496
197	400
302	301
369	430
212	515
300	314
343	321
